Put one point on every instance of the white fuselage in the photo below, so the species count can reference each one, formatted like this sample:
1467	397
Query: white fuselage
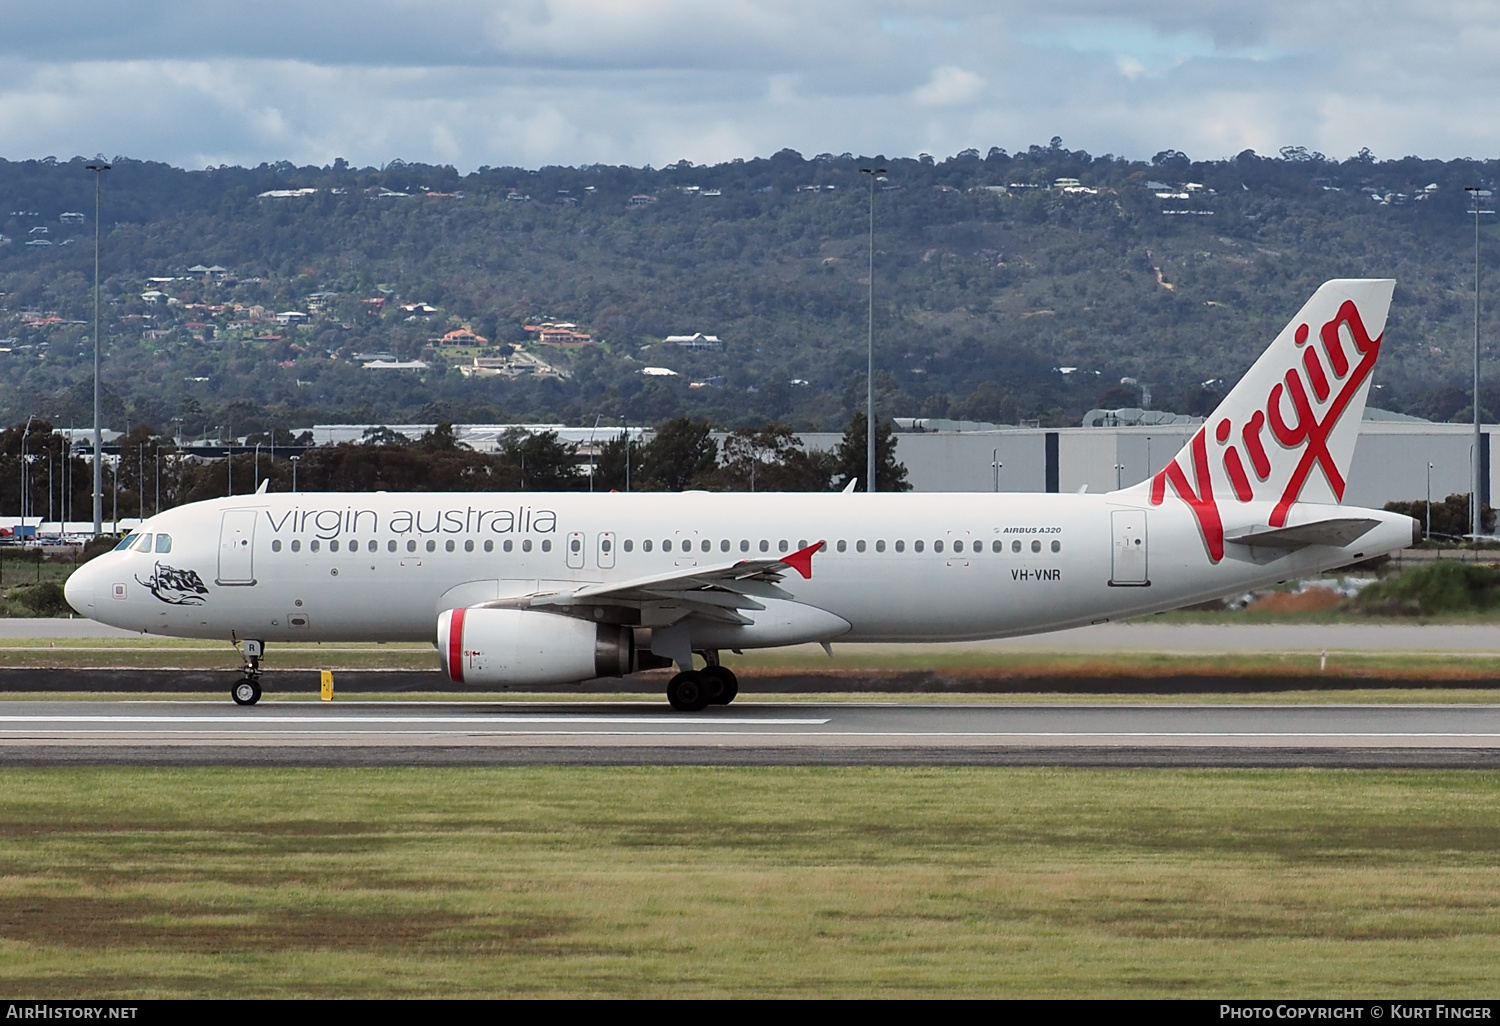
899	568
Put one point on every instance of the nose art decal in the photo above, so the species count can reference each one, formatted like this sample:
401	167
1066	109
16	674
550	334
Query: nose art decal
176	587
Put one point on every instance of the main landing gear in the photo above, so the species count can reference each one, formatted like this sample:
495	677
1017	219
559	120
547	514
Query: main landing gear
694	690
246	690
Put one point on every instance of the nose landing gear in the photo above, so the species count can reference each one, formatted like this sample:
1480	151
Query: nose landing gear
246	691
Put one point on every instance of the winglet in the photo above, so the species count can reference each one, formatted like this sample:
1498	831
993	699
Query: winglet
801	560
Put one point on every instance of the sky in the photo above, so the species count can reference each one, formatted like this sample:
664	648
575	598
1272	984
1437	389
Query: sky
575	82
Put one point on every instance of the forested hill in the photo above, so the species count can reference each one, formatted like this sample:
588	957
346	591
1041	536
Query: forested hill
993	275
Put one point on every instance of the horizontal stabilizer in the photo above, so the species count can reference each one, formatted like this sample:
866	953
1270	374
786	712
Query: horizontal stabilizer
1338	532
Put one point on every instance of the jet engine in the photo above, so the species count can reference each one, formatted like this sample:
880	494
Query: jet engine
523	646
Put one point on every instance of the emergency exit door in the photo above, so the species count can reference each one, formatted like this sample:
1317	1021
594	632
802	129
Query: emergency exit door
1128	528
237	547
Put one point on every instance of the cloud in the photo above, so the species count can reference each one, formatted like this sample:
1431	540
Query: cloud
530	82
949	87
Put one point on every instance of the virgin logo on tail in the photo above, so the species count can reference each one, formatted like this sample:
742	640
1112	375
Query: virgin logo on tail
1254	442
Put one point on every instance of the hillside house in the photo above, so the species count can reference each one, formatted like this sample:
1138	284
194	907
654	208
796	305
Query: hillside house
697	340
564	334
464	336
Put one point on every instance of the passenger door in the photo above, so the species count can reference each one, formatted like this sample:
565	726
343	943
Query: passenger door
1128	569
237	547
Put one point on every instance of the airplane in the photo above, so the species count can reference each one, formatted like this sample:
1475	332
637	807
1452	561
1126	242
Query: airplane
542	589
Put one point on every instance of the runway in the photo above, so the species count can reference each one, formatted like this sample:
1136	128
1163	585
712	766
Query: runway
384	733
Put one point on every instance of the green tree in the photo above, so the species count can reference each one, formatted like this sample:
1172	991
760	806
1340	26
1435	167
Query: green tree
771	459
682	455
890	476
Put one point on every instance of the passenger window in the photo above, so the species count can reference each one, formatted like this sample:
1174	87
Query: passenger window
526	545
448	545
801	544
900	546
604	545
489	545
843	545
1015	546
937	546
724	545
574	544
546	544
390	546
765	546
411	545
509	545
1057	546
859	546
958	546
312	546
744	544
296	545
706	545
144	545
333	546
431	545
666	545
996	546
164	543
126	542
880	546
468	544
1036	546
781	546
646	545
629	545
275	544
916	546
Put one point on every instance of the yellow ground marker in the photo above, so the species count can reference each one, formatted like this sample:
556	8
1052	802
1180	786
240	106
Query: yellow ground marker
326	692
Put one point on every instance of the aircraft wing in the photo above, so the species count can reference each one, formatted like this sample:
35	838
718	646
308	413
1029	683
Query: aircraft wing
716	591
1336	531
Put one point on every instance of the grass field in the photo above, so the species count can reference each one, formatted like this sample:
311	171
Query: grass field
748	882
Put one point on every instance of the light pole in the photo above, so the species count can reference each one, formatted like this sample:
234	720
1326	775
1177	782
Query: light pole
870	344
294	473
1149	464
996	464
625	425
1474	461
592	431
257	466
229	462
98	167
1119	470
1428	533
158	479
24	432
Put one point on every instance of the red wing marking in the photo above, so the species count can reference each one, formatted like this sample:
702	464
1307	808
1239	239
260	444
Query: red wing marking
801	560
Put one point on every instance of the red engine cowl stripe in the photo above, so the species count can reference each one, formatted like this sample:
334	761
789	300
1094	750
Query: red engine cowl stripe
456	646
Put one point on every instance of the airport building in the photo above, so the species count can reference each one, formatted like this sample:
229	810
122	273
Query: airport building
1390	461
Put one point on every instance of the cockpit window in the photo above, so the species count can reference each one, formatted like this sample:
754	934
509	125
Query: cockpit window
126	542
164	543
144	545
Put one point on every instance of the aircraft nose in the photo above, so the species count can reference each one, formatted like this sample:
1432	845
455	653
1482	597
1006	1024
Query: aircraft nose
79	591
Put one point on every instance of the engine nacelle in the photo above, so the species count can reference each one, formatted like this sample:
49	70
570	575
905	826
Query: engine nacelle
524	646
